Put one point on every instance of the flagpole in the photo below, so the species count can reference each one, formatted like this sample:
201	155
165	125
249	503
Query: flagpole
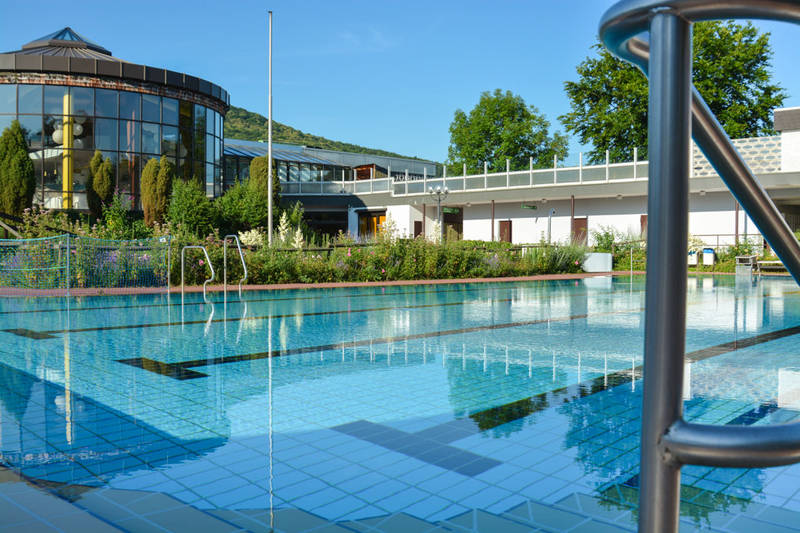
269	136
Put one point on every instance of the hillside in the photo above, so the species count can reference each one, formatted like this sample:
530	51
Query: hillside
243	124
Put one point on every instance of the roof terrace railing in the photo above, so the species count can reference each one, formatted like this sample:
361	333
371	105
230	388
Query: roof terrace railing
676	113
761	153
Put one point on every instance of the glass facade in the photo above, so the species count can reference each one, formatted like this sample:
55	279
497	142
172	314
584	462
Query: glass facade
128	127
237	168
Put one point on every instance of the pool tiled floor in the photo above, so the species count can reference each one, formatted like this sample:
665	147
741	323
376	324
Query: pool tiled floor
500	407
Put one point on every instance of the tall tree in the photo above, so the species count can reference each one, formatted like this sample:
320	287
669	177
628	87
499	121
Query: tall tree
156	188
103	181
731	70
17	180
92	198
502	126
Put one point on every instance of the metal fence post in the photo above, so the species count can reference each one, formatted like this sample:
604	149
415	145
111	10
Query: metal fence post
607	160
669	130
69	252
635	161
508	172
580	167
485	174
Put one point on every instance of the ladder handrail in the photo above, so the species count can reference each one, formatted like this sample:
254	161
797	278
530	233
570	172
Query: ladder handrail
677	111
225	263
208	262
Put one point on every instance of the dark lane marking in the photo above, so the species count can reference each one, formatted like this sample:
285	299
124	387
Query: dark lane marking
419	447
719	349
263	317
291	298
496	416
165	369
29	333
434	443
365	342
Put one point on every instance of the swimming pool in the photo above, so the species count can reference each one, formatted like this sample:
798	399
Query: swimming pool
488	406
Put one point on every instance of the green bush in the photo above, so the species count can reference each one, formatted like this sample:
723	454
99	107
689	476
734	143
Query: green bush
243	207
190	210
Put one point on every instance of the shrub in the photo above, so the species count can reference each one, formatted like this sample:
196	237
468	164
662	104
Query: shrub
17	181
243	207
190	209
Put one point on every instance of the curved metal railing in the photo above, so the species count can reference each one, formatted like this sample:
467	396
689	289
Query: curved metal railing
208	262
677	112
225	263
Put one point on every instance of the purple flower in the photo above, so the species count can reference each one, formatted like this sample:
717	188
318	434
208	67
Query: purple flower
201	262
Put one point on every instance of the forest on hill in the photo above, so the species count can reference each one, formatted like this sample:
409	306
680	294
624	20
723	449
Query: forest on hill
246	125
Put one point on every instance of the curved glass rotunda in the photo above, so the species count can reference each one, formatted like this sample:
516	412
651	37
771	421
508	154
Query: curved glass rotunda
72	97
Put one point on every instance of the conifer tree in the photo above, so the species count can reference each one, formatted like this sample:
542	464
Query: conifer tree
149	190
103	182
17	180
92	198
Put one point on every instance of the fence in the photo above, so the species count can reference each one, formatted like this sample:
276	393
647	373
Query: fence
66	264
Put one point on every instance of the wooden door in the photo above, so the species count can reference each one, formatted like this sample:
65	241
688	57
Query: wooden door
579	230
643	223
505	231
417	228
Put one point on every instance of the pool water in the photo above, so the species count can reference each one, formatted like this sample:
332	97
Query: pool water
488	406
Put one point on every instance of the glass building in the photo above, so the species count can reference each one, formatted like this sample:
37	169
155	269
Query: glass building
72	98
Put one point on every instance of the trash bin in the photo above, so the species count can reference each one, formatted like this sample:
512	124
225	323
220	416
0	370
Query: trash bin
692	258
708	256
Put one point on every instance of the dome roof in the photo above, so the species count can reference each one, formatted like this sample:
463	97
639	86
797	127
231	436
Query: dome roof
66	42
68	52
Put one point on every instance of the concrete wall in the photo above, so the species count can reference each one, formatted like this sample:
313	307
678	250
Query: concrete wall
710	214
402	217
790	151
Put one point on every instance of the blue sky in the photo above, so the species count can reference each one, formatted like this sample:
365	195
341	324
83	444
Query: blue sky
384	74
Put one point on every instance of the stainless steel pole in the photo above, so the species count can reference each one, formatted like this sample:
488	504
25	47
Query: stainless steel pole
269	138
669	131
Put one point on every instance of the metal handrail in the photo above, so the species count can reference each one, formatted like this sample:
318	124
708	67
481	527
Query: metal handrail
225	263
210	266
677	112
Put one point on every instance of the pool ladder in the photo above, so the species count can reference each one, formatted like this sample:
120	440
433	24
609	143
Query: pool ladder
676	113
225	263
208	262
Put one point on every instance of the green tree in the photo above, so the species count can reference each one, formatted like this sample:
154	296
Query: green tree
731	71
148	185
190	208
95	166
17	181
258	181
156	182
242	207
501	126
103	179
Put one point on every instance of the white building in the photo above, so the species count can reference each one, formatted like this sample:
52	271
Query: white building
520	206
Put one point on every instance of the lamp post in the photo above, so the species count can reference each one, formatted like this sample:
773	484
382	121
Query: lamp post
439	195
